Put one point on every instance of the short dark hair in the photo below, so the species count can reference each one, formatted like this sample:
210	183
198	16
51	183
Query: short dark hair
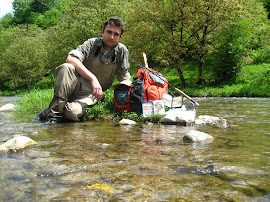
116	21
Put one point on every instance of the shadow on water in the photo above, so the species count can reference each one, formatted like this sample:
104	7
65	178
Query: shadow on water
92	161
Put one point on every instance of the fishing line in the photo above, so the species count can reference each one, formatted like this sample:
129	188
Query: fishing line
70	18
143	66
84	27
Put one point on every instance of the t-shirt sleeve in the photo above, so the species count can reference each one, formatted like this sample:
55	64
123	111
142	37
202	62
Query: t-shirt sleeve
123	65
82	52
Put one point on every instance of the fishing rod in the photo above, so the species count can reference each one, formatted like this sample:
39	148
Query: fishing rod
98	36
70	18
144	55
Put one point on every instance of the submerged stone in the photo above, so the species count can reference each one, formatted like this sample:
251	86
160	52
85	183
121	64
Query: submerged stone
197	136
102	187
17	143
7	107
211	120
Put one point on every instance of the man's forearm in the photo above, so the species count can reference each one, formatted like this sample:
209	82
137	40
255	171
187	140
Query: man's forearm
83	71
80	68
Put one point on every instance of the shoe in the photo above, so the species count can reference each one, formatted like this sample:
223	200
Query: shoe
52	121
36	118
39	117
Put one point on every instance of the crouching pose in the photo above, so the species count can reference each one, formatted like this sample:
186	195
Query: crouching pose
89	70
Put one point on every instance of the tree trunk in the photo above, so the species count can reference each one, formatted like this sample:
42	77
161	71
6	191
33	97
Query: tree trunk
181	76
200	72
15	86
28	87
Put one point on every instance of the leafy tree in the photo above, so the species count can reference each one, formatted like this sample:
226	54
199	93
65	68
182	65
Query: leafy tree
48	19
239	44
25	57
173	30
208	17
6	21
266	4
36	11
22	11
157	28
6	37
233	43
41	6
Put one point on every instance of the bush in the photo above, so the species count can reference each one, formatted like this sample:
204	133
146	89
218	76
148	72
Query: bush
257	79
45	82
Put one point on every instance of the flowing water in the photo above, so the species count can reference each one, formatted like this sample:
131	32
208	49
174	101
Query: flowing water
102	161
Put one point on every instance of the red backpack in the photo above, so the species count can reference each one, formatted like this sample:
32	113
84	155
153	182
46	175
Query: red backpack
148	85
154	84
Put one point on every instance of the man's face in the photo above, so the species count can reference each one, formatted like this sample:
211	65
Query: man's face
111	36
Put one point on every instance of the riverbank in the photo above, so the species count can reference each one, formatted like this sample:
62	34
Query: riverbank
37	100
252	81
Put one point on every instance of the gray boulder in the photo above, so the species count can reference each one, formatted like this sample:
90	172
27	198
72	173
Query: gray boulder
197	136
17	143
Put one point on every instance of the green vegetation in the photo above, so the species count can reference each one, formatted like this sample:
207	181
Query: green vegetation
253	80
105	110
34	102
203	47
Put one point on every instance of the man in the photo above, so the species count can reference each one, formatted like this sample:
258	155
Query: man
89	70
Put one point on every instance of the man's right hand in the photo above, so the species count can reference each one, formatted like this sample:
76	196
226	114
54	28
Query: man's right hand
82	70
97	89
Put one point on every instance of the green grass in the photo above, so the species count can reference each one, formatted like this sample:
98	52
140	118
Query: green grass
37	100
34	102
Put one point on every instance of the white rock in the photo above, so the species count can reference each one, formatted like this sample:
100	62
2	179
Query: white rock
211	120
17	143
197	136
127	122
179	116
7	107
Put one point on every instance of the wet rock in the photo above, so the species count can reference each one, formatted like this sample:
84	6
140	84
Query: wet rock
210	169
211	120
179	116
17	143
7	107
197	136
103	145
127	122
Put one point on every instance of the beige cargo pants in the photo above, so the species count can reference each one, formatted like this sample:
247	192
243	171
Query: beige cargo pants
72	95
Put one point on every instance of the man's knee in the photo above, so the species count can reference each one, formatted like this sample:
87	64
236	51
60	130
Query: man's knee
73	111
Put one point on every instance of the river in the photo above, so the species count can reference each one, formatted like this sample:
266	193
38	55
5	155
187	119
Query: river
103	161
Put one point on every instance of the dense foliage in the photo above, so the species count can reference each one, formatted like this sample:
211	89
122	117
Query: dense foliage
222	38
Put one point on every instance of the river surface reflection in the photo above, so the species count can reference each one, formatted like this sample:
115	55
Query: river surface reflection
93	161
